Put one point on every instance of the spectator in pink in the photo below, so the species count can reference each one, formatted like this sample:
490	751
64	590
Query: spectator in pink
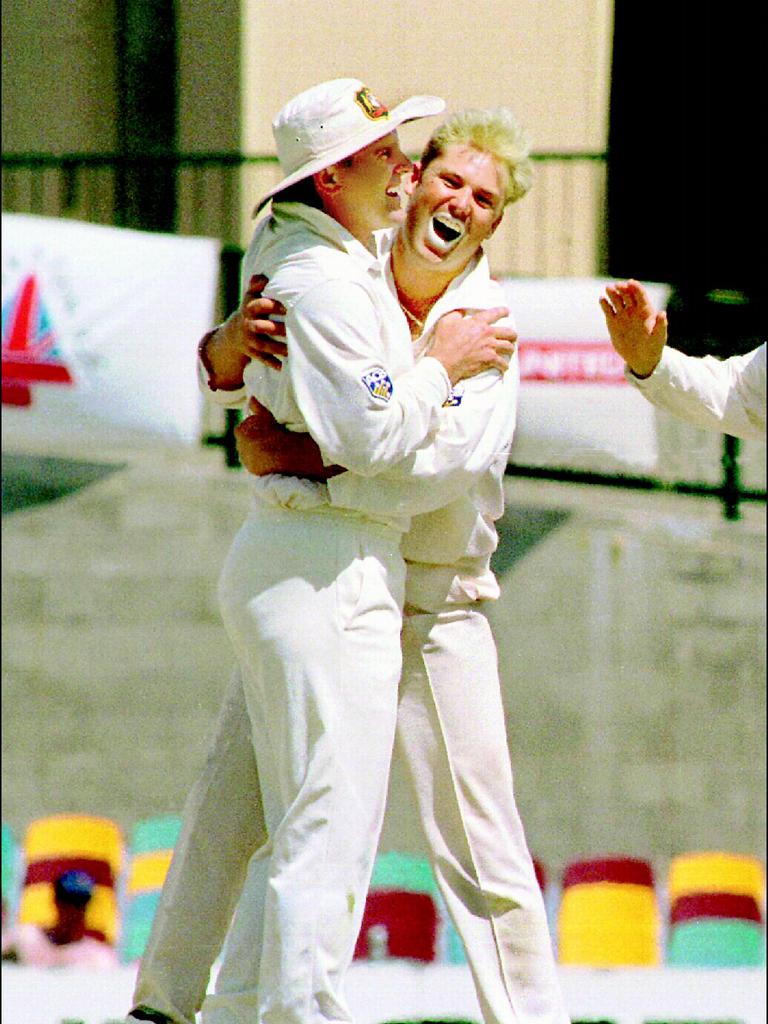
66	943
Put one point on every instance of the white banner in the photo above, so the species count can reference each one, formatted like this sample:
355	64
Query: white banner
100	327
576	409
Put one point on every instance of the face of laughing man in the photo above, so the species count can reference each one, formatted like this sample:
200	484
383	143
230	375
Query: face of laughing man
457	203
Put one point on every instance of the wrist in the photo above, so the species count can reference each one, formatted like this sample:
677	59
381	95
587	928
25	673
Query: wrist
204	357
223	362
642	372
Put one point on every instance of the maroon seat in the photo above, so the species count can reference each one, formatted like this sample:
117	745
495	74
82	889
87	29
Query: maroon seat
715	904
541	874
410	920
626	870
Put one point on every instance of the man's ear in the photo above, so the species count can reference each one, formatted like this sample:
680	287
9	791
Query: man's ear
327	181
411	179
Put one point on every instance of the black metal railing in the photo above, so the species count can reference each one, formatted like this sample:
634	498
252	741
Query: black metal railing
212	190
209	192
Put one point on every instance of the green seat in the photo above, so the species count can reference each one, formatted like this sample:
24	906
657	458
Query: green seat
451	946
137	925
150	838
10	868
152	834
454	947
404	872
716	942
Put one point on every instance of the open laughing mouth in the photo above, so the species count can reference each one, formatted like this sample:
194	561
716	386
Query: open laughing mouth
444	233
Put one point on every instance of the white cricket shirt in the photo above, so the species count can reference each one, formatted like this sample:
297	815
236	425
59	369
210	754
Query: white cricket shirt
436	459
726	395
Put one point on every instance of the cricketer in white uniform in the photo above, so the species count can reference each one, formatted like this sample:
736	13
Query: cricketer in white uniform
727	395
450	721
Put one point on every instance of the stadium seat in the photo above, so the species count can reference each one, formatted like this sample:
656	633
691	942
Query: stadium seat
67	842
151	849
160	833
716	915
404	923
716	942
694	873
608	914
454	947
405	872
401	917
10	869
139	916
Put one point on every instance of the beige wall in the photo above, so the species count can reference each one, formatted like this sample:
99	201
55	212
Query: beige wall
549	62
631	643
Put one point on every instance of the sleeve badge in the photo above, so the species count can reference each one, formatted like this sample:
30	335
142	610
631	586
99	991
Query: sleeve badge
456	395
379	384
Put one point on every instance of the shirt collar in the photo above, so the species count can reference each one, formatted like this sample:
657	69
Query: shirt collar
324	226
461	293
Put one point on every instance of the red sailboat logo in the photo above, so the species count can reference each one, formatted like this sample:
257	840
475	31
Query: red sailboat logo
30	354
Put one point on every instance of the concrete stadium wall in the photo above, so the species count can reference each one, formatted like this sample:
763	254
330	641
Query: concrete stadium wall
631	632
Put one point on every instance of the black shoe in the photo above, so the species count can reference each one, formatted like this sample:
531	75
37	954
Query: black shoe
148	1014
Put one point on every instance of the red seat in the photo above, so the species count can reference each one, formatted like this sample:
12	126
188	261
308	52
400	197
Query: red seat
73	842
715	904
626	870
410	921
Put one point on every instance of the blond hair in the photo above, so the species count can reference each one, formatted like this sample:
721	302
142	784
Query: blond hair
493	131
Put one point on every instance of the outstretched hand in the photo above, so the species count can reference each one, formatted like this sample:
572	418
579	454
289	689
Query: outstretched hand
638	332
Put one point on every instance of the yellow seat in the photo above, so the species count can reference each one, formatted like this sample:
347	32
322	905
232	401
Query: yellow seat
609	924
66	842
148	871
695	873
101	915
75	835
151	848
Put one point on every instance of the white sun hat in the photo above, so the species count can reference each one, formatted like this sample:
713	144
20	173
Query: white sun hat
333	120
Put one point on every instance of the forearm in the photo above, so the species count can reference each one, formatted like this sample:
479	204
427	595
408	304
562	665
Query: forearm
277	450
223	360
292	459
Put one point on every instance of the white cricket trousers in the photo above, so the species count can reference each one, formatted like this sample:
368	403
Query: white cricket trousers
451	734
222	827
312	602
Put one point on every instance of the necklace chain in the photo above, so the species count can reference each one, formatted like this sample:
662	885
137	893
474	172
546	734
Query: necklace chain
411	317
